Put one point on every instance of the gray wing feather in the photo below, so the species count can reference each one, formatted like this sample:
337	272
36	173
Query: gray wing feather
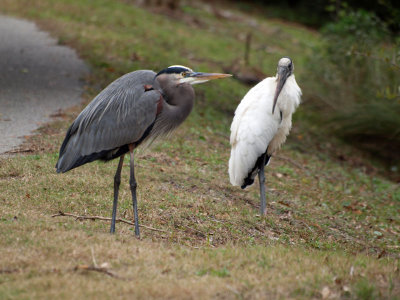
119	115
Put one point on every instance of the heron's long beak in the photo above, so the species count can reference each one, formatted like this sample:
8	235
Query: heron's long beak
283	74
198	77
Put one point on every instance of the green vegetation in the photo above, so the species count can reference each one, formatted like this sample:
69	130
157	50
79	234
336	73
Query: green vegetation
356	73
332	229
318	13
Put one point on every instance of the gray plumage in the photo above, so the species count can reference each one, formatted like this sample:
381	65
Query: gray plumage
119	115
139	106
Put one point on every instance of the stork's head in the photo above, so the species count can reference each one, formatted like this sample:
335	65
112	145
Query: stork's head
285	69
181	74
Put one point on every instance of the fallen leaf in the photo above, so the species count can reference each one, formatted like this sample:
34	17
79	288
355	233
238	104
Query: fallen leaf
325	292
338	280
383	253
346	289
82	267
135	57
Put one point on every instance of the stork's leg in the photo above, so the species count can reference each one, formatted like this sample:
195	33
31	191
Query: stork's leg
117	182
133	184
261	179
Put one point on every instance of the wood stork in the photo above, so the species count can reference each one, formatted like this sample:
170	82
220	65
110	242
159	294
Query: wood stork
262	121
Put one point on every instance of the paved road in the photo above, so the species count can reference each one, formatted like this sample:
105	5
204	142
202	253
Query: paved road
37	78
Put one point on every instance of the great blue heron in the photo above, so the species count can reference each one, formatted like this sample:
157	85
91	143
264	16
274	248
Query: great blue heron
258	129
139	106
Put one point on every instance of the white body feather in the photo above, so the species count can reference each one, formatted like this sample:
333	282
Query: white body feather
254	127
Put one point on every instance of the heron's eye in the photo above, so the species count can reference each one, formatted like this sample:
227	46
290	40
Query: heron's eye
183	74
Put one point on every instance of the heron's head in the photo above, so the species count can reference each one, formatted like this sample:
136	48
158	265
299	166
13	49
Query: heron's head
181	74
285	70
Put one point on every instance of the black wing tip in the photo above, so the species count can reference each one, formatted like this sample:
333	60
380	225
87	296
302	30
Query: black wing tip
58	169
248	181
104	155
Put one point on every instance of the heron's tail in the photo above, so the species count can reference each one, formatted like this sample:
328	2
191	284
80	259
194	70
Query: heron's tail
69	156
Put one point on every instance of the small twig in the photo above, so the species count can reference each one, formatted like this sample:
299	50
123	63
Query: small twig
77	217
93	258
215	220
194	247
18	151
309	228
349	237
98	269
195	230
289	160
8	271
247	49
235	291
81	267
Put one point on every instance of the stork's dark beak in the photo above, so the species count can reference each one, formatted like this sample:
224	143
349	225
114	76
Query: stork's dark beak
283	74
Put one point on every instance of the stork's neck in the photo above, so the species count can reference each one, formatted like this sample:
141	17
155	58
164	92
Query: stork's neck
289	98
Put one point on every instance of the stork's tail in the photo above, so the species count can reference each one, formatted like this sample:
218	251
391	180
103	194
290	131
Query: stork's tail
235	166
241	176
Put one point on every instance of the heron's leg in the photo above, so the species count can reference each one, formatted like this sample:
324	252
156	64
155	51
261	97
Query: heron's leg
117	182
261	179
133	185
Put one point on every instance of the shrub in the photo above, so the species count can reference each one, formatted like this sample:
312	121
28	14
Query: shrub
356	83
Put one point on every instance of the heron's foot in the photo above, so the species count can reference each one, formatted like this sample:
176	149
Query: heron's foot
137	230
137	235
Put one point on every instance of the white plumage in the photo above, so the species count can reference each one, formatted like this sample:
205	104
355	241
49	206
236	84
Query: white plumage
255	128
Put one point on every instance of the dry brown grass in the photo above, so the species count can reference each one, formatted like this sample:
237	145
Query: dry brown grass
43	264
217	246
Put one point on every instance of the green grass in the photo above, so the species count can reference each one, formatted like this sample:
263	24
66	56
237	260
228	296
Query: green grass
332	225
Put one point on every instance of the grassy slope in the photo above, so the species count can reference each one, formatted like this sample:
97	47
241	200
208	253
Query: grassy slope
328	221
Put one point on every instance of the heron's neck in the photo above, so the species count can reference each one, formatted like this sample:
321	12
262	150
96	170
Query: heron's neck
179	100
